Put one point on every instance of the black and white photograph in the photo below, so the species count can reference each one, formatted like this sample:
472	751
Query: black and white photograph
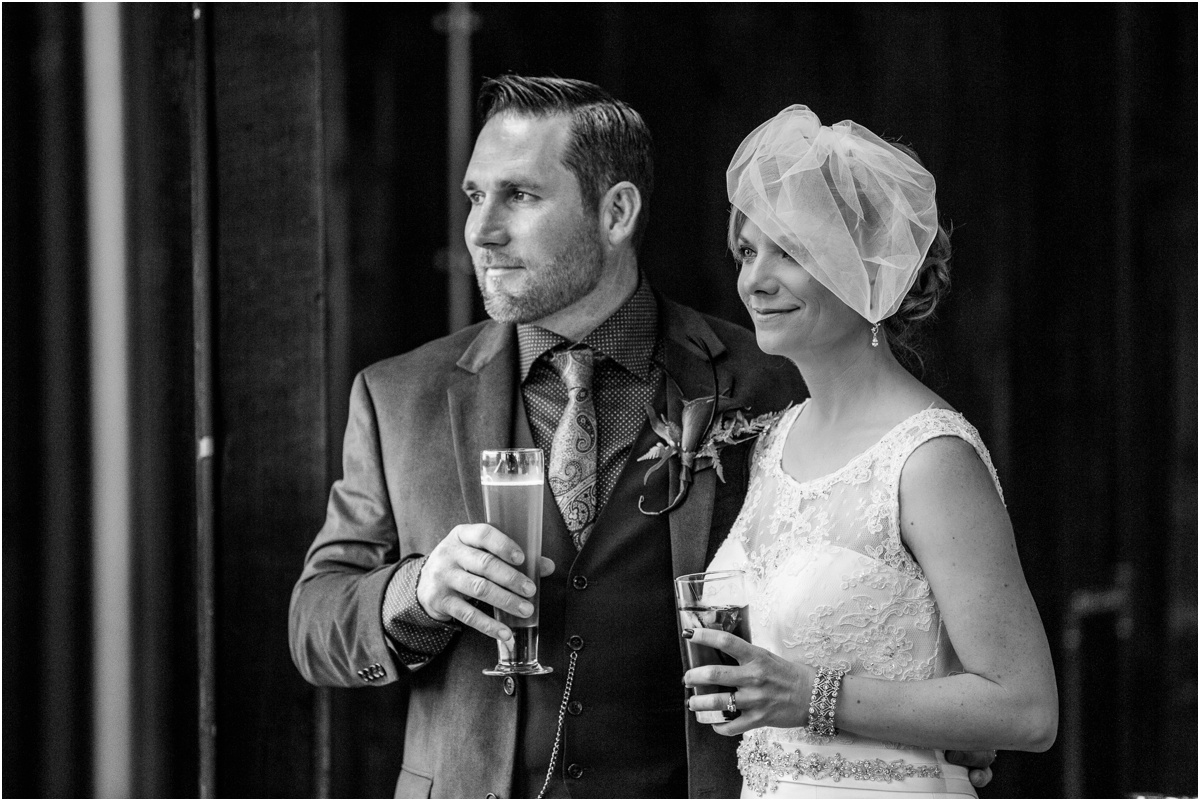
600	400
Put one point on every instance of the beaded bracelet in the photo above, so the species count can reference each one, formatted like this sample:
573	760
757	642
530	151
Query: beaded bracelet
823	705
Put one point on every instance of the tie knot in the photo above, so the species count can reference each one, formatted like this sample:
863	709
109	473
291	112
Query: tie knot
575	367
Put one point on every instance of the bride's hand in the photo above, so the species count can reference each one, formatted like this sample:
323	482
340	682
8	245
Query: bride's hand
770	691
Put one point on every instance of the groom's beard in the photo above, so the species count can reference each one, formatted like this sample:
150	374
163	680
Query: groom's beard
546	286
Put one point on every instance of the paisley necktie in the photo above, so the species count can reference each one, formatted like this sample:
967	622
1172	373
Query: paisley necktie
573	449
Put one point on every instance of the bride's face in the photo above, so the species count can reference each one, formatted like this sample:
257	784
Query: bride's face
793	313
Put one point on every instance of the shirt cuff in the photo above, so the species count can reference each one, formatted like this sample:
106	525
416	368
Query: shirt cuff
415	636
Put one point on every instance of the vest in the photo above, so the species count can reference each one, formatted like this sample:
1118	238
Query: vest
612	604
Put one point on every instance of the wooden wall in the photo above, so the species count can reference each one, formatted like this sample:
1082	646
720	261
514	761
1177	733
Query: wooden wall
46	452
1063	140
279	279
158	69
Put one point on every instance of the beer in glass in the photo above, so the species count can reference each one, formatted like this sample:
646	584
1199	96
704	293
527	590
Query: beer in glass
512	481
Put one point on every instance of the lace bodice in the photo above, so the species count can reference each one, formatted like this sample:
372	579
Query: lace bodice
831	583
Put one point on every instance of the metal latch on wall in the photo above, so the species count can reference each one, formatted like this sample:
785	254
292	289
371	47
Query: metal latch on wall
1083	605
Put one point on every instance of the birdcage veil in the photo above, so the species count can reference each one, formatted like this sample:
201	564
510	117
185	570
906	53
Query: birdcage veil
852	209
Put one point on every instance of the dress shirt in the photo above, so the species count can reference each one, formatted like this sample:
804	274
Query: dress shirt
624	378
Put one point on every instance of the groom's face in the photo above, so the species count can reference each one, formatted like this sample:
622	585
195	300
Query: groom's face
535	247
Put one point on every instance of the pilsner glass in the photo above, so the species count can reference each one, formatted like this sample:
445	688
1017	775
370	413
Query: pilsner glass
717	601
512	482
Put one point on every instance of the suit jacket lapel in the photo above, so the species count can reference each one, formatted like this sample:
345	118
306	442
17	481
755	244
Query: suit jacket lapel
710	758
686	363
481	407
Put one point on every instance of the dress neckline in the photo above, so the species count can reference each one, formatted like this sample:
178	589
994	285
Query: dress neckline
830	478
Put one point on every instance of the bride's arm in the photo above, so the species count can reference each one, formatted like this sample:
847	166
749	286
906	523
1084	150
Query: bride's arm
957	528
953	521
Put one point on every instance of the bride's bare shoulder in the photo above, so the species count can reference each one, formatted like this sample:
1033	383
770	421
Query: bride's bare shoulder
909	398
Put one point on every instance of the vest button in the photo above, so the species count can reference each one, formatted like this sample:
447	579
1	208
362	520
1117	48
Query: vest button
579	582
575	643
510	686
575	770
575	708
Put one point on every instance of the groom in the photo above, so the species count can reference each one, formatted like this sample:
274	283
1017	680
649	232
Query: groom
400	581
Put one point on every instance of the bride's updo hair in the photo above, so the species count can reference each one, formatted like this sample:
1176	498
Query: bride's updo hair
931	285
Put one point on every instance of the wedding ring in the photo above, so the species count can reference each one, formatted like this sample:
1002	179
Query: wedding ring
731	707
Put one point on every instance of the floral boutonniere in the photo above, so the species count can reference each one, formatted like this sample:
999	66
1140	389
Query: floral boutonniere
706	426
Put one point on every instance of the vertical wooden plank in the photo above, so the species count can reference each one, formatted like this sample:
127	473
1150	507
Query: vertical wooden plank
460	24
1034	374
112	487
22	339
396	109
336	247
1175	236
272	363
63	721
1129	500
395	99
158	52
203	312
46	434
1159	50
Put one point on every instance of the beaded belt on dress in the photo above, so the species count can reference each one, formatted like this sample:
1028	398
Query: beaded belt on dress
763	762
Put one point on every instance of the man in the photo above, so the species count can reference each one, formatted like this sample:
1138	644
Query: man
400	581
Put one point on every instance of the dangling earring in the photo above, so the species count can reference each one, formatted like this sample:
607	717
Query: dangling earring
875	335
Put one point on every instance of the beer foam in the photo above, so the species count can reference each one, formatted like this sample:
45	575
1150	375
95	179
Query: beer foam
510	481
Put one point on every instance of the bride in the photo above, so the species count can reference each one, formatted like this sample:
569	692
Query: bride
889	614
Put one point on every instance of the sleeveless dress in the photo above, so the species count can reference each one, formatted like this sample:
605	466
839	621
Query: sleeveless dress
831	584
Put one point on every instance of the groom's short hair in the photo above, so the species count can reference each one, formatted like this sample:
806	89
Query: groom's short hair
609	140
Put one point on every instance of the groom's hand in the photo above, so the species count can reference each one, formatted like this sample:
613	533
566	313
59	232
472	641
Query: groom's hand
978	762
476	563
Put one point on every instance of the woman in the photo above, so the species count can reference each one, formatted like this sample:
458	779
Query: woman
889	613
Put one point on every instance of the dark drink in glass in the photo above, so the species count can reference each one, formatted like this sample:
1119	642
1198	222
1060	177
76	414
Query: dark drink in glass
712	601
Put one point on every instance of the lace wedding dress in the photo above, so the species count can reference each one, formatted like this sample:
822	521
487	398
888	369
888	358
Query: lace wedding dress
831	584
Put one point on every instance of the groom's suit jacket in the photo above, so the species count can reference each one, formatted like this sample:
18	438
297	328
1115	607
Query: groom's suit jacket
410	474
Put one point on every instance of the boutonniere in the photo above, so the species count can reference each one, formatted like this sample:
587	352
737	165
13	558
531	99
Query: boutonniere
706	426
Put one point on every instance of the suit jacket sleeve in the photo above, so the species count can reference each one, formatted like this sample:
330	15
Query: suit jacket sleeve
336	626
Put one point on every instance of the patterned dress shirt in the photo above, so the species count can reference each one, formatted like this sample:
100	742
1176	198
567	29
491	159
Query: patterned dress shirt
626	376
